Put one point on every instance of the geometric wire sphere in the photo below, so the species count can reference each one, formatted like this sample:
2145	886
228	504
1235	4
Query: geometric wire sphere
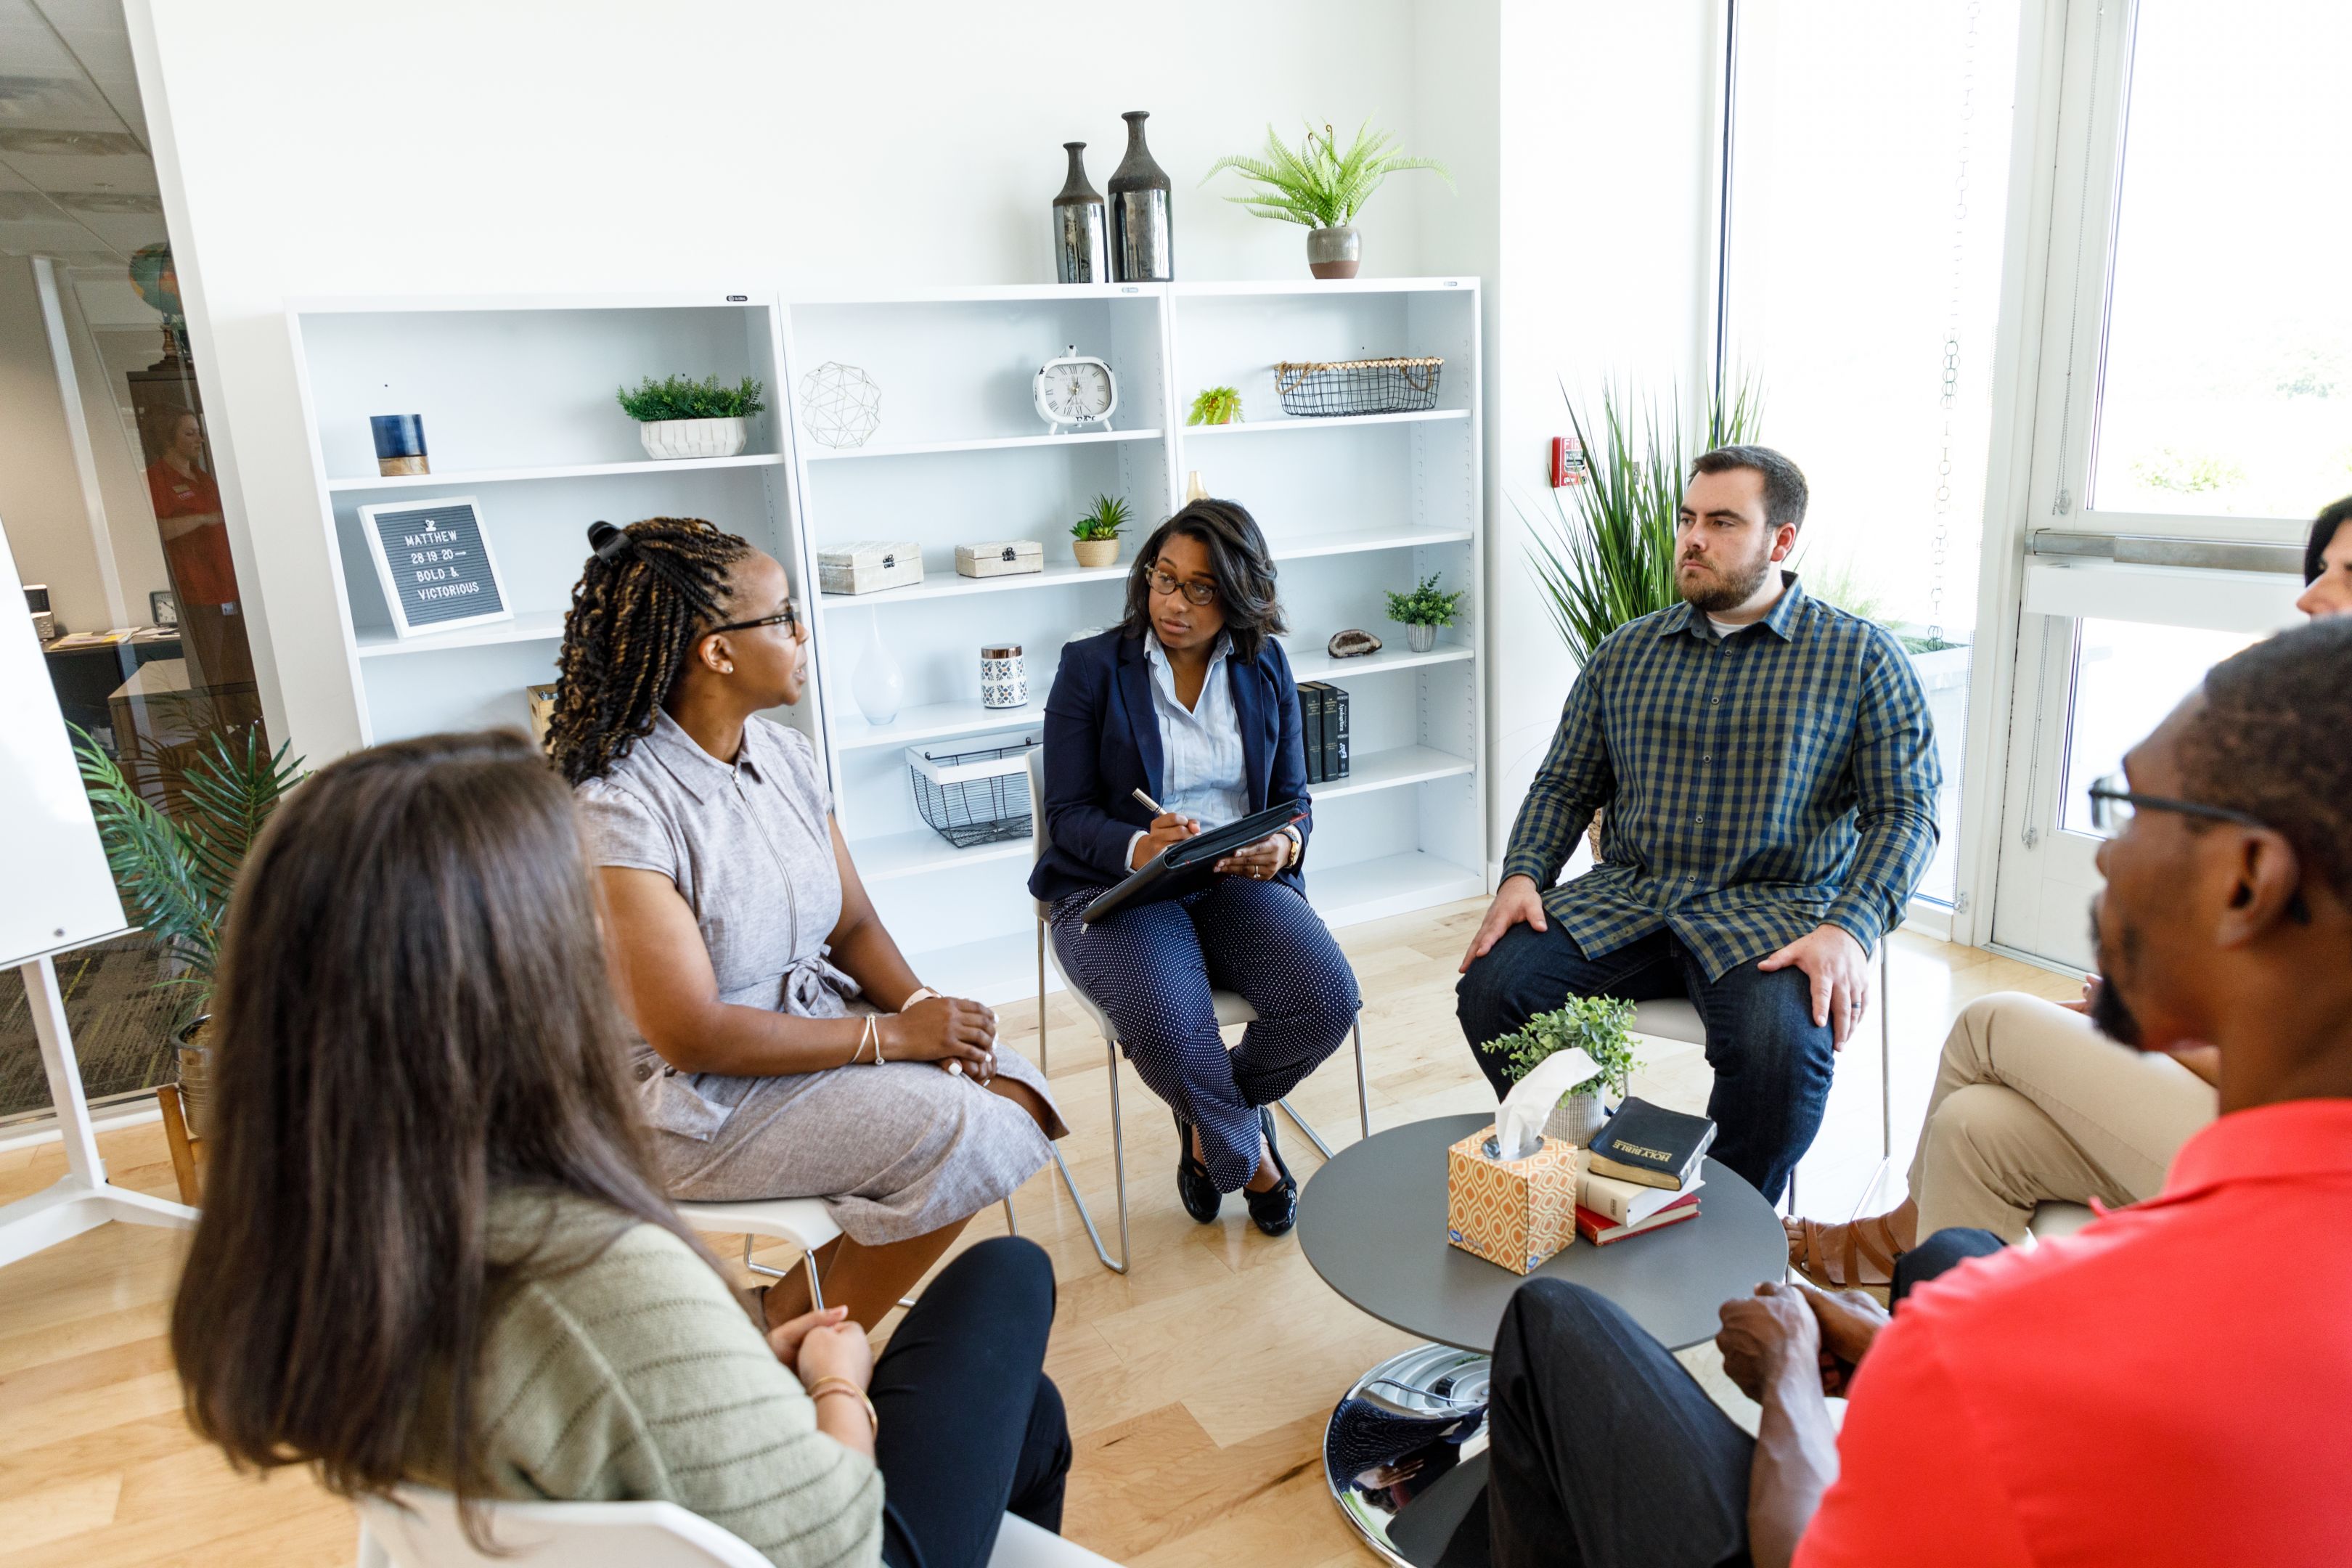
841	405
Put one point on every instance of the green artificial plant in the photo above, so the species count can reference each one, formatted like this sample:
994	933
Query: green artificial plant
1596	1024
1609	557
1425	606
1215	406
1317	183
683	397
1109	515
176	871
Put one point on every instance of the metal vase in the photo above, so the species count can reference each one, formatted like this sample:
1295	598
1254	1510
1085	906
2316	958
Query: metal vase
1142	249
1081	235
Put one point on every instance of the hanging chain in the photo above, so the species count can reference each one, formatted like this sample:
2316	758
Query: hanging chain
1951	396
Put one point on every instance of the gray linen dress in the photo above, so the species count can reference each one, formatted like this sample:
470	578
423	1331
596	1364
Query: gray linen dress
894	1151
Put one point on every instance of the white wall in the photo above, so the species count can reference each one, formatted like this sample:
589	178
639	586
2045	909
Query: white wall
40	492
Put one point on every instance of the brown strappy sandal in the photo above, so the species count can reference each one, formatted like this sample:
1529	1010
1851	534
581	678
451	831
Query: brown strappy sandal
1858	1254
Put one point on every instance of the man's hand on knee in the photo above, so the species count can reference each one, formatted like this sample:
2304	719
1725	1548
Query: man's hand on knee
1518	899
1839	970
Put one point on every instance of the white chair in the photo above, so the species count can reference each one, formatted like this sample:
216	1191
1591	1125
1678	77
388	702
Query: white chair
1678	1020
418	1528
1232	1009
2056	1219
803	1221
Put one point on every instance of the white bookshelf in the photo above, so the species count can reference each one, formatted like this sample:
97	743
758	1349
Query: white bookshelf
1351	507
517	398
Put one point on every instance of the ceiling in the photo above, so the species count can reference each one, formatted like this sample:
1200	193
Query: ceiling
76	179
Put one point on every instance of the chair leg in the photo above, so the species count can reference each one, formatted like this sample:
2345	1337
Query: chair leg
1043	1065
761	1268
1363	1085
1303	1126
1118	1158
1011	1226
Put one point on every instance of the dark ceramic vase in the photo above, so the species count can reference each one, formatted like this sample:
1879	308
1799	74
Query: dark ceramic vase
1081	235
1141	248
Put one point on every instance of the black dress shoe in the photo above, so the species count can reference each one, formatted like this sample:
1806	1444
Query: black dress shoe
1275	1210
1200	1194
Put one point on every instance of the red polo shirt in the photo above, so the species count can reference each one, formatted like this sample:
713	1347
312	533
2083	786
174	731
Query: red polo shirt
2171	1385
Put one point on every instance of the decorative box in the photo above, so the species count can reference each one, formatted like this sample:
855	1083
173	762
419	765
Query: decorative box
1517	1213
1000	558
543	712
869	565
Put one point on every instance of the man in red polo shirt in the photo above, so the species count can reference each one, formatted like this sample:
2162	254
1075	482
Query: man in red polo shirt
2167	1386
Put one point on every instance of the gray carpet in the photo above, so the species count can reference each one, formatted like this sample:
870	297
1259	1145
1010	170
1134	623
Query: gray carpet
121	1026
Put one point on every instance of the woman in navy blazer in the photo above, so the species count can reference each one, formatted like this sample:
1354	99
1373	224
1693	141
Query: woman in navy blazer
1191	702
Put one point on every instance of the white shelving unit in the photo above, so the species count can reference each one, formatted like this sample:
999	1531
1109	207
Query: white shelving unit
1351	506
517	397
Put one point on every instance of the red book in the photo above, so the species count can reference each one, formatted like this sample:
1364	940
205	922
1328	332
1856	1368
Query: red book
1600	1230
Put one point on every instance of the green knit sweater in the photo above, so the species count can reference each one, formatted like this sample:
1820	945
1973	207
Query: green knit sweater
638	1377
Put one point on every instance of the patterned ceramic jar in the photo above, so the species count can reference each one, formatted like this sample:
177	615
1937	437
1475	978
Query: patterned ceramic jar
1003	677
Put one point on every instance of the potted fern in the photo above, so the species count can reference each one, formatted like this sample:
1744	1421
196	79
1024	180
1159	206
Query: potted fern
682	417
1096	535
1596	1025
1215	406
1423	610
1322	187
177	870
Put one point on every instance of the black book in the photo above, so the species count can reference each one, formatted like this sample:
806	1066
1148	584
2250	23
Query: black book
1310	723
1335	735
1649	1145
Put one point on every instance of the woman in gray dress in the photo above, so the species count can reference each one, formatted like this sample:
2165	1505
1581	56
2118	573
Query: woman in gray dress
787	1048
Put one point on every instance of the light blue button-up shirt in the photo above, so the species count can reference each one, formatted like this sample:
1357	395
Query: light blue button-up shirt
1201	773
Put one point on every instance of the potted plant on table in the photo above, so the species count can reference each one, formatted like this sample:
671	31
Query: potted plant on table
682	417
1096	533
175	870
1322	187
1596	1025
1425	610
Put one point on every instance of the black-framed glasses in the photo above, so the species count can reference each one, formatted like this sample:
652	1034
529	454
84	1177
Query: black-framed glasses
2113	802
1164	584
790	615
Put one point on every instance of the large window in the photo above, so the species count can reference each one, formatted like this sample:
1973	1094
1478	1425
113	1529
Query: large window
1869	156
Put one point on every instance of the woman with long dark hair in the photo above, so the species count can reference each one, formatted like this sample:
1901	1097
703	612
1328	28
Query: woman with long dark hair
434	1247
786	1048
1189	700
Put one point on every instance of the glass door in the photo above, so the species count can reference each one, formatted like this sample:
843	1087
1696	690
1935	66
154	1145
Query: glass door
2194	404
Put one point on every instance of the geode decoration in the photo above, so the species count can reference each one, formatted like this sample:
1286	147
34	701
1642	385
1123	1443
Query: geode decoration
1353	643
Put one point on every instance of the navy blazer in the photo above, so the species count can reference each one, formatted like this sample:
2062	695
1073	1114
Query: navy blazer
1102	743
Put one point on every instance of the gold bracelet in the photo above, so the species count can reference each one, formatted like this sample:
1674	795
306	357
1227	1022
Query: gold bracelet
825	1385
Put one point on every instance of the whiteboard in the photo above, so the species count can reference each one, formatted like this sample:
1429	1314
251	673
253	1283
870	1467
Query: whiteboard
54	889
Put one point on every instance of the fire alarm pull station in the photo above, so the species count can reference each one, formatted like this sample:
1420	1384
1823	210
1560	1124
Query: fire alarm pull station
1567	461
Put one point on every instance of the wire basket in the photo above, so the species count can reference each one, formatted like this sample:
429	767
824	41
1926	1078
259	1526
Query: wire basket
973	797
1326	389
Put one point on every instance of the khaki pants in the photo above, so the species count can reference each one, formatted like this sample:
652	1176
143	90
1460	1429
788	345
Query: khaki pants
2032	1105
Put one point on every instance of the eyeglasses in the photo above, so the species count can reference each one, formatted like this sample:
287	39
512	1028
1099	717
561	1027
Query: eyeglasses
790	615
1164	584
2113	802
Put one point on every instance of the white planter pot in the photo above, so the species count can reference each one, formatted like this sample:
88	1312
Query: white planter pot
1419	638
667	438
1576	1119
879	684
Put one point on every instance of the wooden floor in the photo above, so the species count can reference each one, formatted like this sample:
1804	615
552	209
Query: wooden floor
1198	1384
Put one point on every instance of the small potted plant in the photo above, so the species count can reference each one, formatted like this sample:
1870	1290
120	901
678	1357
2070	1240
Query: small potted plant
1598	1025
681	417
1319	186
1215	406
1096	533
1425	610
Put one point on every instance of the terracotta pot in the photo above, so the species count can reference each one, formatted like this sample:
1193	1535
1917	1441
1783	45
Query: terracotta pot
1096	551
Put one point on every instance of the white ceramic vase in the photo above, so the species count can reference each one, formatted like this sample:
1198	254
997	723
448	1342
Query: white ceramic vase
669	438
879	684
1576	1119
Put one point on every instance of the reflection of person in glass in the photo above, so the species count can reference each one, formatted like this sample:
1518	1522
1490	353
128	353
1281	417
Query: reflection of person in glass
196	541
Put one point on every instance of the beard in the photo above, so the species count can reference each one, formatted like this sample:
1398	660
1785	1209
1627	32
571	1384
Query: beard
1734	588
2110	1014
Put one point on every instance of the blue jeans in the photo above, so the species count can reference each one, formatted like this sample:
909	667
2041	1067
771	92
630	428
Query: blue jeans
1771	1061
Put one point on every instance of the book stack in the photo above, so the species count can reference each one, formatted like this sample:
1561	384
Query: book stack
1643	1174
1323	714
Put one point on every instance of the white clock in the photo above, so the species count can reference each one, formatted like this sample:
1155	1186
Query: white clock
1075	389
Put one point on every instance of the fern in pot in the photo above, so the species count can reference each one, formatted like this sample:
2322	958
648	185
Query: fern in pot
682	417
177	870
1322	186
1596	1025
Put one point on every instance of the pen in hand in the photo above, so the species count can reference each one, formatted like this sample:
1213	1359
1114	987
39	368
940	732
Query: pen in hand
1151	805
1182	827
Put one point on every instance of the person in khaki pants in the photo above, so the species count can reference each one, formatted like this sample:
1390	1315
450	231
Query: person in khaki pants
2032	1104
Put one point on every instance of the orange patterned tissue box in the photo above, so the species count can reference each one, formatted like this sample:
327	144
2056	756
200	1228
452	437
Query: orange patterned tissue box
1516	1213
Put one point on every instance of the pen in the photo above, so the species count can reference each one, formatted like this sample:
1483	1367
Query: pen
1151	805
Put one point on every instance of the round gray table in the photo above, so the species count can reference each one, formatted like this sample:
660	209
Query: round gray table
1373	1223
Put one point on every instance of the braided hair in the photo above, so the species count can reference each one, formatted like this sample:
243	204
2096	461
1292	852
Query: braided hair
636	612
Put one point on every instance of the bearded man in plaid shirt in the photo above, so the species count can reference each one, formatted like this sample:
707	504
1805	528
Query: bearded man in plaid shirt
1769	768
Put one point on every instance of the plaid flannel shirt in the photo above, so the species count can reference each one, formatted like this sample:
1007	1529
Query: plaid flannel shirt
1758	785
